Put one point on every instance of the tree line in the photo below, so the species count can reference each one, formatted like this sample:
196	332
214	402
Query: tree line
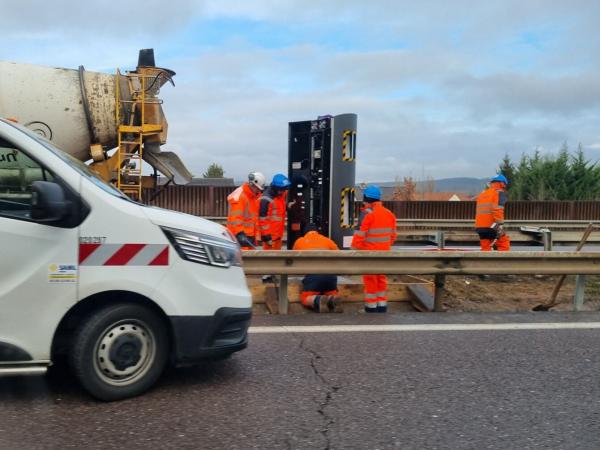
561	176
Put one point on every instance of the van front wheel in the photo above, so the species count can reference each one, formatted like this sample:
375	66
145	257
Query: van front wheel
119	351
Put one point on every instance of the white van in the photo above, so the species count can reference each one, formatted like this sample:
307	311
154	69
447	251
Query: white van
119	288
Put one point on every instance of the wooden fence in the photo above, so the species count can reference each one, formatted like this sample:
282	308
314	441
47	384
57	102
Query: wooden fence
211	201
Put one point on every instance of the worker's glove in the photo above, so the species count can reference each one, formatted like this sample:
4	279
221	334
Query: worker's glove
500	230
244	240
267	239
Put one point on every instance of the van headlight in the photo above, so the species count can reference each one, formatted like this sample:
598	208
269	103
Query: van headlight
204	249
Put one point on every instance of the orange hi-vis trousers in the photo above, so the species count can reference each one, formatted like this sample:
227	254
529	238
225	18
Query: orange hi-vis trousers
308	297
502	244
275	246
375	291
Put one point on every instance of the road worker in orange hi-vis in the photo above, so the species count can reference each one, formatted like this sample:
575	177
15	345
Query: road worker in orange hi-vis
377	231
489	219
319	292
242	219
272	212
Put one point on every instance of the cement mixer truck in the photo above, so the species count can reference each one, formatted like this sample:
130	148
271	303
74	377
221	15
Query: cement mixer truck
88	114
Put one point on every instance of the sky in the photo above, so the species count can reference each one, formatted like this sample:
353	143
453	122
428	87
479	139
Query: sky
441	89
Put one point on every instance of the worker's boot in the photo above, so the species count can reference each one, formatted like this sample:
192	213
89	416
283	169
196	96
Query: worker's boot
335	304
323	306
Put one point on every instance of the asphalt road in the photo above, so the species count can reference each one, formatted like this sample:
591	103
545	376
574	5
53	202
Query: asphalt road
487	389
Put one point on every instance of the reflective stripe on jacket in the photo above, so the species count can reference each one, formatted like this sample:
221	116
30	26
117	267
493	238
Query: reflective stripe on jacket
243	211
490	206
377	230
271	217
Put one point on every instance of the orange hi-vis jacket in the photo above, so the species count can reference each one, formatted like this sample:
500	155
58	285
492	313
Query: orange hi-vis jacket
271	217
377	230
243	211
316	284
314	241
490	206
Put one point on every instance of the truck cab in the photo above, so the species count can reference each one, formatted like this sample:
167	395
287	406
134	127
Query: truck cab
117	288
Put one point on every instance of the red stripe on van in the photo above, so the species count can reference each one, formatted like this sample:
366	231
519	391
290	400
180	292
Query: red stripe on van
162	259
86	250
124	254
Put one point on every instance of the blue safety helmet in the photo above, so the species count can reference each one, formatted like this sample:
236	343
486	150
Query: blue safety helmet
500	179
373	192
280	181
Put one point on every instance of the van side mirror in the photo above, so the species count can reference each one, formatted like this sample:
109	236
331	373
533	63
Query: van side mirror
48	202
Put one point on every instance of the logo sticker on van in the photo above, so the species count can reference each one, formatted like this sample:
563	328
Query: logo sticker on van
62	273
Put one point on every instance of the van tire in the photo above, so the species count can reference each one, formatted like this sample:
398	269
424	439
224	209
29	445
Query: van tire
119	351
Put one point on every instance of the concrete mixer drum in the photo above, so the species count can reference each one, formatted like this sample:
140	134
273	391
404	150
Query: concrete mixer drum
81	112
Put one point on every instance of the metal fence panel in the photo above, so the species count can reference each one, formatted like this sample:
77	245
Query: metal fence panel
211	201
207	201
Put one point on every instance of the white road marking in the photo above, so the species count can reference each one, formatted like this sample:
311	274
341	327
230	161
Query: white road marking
426	327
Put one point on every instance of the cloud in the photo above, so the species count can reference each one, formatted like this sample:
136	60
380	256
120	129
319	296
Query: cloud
233	106
526	94
440	89
95	19
100	34
247	130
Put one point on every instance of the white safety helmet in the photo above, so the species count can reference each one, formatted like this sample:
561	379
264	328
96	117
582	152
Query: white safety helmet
257	179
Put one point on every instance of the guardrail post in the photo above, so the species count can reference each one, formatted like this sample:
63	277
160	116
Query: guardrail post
440	239
438	294
579	292
283	294
547	240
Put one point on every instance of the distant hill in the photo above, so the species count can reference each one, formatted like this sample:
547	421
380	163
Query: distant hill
460	184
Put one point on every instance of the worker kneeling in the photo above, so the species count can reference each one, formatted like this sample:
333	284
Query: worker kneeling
377	231
319	292
489	220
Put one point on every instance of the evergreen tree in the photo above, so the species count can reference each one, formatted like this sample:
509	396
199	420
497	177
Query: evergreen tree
557	175
214	171
584	179
507	168
553	177
519	189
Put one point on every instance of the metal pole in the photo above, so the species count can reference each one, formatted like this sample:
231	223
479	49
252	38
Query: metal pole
547	240
440	238
579	292
440	280
283	294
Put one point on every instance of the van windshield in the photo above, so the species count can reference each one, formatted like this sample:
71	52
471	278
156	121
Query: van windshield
79	166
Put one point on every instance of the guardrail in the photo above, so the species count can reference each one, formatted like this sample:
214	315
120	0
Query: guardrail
468	224
440	264
438	232
437	224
